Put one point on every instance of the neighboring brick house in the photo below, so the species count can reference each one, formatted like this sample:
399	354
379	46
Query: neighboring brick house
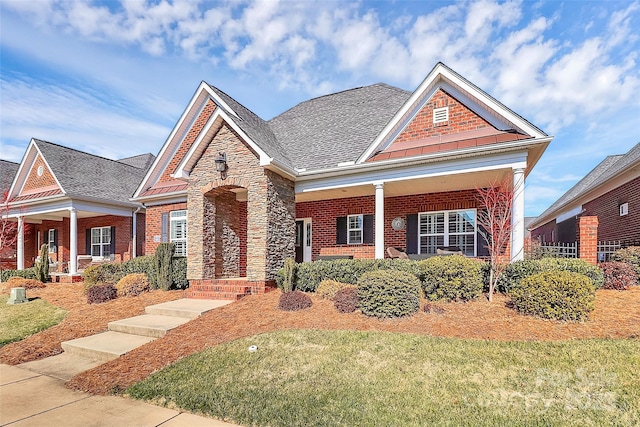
78	204
350	174
610	192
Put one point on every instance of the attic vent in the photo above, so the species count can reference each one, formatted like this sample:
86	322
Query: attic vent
441	115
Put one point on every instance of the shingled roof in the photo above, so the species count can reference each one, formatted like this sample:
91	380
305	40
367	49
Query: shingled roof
142	161
604	171
8	171
86	175
331	129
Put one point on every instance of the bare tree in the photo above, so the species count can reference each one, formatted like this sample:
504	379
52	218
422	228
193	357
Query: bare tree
8	228
494	219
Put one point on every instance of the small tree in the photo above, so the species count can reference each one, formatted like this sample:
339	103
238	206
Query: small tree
289	275
42	265
164	254
494	220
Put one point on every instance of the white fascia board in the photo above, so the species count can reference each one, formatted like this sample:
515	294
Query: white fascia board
577	210
416	171
26	165
193	109
104	209
279	168
219	101
166	201
44	208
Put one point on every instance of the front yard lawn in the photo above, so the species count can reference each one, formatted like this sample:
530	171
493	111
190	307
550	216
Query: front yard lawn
350	378
21	320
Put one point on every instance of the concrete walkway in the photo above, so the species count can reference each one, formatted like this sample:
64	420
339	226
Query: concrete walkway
33	393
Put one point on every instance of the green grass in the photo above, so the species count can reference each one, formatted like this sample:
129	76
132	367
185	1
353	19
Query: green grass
21	320
342	378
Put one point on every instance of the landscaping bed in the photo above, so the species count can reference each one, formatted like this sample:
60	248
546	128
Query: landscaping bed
616	315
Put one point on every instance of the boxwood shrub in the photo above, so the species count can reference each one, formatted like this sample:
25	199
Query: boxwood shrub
515	272
328	288
27	273
518	270
452	278
388	293
560	295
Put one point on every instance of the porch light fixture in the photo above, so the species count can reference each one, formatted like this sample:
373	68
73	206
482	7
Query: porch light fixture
221	162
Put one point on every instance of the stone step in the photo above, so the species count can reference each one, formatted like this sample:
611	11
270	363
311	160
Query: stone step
148	325
105	346
186	307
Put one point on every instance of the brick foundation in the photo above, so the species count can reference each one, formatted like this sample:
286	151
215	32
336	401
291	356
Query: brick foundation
227	289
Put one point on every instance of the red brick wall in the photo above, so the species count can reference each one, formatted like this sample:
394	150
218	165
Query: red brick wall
325	212
461	119
189	139
9	253
612	226
588	238
545	232
153	223
34	181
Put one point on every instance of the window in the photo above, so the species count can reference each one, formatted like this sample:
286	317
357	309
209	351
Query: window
440	115
101	242
51	241
354	229
447	228
178	232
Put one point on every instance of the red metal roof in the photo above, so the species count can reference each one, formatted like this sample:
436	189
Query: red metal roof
36	195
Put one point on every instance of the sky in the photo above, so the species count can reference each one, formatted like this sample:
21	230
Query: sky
112	78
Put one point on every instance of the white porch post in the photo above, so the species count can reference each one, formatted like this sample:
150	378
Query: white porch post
379	220
73	241
20	243
517	216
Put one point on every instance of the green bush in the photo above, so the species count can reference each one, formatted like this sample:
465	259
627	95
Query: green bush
289	275
560	295
142	264
100	274
576	266
385	293
310	274
132	285
27	273
452	278
42	265
179	273
164	255
515	272
327	288
630	255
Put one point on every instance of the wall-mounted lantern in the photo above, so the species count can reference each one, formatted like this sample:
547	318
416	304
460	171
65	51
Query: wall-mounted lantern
221	162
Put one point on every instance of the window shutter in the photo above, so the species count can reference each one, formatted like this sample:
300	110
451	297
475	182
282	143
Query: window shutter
88	242
55	240
412	234
481	244
367	229
165	227
113	240
341	230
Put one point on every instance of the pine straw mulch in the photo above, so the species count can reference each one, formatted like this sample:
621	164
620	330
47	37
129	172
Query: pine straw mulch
616	315
82	320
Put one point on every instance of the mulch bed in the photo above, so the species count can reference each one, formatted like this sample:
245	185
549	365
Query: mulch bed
616	315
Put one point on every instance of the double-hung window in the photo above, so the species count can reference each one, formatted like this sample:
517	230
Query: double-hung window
51	240
448	228
101	242
178	231
354	229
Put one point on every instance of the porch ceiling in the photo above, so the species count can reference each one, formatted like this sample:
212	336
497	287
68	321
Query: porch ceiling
37	218
437	184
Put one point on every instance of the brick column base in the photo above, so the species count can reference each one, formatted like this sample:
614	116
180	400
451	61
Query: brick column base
588	238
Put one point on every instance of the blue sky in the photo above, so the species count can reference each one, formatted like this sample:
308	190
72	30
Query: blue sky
112	78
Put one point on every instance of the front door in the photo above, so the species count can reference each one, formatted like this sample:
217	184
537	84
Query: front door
303	240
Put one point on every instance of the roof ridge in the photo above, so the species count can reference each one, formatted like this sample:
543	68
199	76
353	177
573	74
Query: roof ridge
83	152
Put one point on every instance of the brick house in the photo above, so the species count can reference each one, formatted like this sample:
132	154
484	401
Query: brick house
78	204
349	174
610	194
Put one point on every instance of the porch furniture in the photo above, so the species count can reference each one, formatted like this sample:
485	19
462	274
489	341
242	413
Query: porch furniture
449	250
396	253
333	257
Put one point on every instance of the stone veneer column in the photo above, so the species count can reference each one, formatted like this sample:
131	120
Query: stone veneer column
588	238
281	232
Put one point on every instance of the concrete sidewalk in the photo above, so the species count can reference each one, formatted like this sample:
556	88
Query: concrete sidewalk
29	398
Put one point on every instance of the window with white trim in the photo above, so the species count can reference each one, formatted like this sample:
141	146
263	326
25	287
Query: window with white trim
448	228
354	229
440	115
51	240
178	231
101	242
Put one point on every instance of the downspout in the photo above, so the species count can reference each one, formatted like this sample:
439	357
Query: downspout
135	243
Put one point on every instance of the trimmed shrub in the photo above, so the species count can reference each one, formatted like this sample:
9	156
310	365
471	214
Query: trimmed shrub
42	265
630	255
101	293
294	301
576	266
20	282
132	285
164	255
452	278
92	276
515	272
431	308
385	293
289	275
310	274
560	295
27	273
179	273
346	299
327	288
618	275
144	264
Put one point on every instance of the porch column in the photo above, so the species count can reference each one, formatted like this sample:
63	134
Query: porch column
20	243
73	241
517	216
379	220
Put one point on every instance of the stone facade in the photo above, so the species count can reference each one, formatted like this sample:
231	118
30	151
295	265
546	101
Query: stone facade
220	222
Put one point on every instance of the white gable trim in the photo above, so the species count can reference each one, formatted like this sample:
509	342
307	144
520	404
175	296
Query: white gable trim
200	144
28	160
444	75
